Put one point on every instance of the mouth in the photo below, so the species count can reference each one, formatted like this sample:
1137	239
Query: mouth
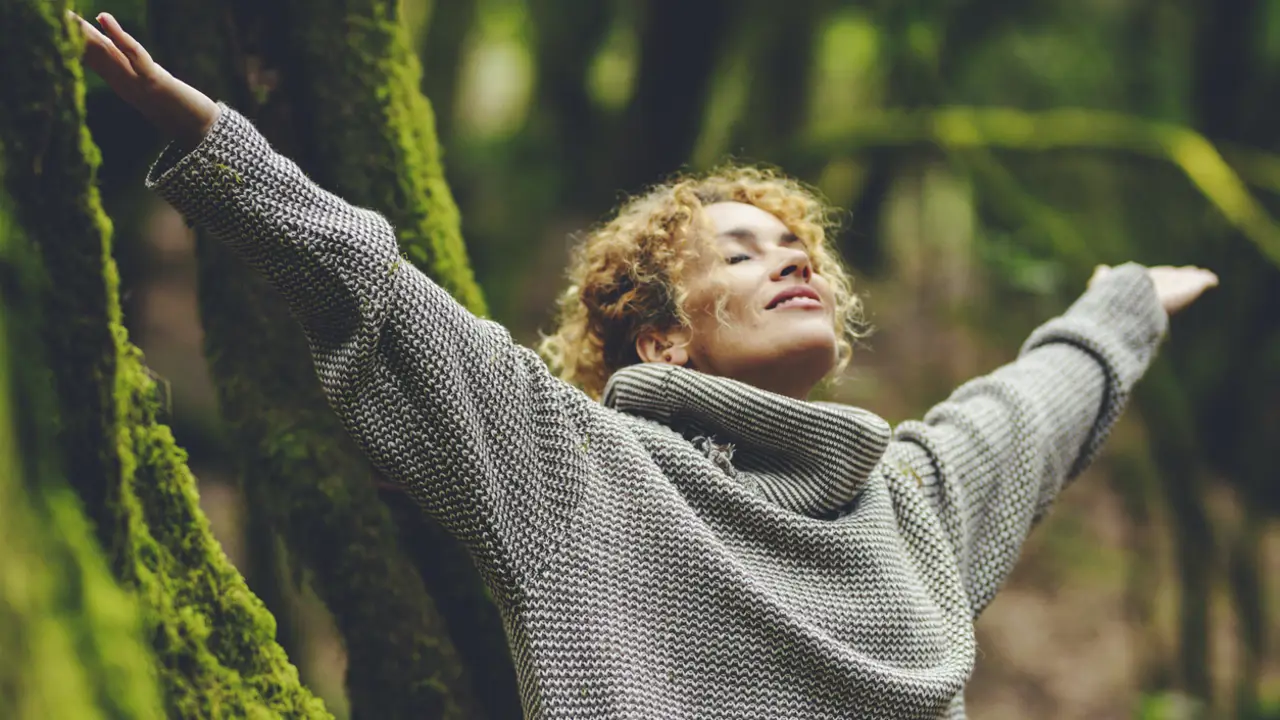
798	296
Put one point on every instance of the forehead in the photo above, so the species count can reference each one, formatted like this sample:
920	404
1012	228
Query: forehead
730	216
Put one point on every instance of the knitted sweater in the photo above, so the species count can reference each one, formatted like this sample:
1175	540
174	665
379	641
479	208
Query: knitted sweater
692	547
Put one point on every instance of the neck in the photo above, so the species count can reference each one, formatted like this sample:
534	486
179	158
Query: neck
782	382
781	378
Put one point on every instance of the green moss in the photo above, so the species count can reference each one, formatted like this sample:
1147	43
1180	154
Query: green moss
367	132
71	637
370	133
213	640
297	462
218	636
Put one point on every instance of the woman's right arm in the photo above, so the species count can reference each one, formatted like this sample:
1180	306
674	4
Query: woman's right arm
444	403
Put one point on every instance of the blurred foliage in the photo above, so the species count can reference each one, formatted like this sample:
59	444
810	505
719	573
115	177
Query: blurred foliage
988	153
1065	133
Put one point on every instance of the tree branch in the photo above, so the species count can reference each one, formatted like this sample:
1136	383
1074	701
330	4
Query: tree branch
961	127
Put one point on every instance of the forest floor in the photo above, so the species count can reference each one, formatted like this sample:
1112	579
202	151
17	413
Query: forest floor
1062	639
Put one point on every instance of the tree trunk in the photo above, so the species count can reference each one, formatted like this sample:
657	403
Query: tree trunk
422	637
72	638
679	45
443	43
781	40
562	119
212	637
1173	441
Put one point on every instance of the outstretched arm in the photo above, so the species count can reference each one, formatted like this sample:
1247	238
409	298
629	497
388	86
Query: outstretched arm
446	404
993	456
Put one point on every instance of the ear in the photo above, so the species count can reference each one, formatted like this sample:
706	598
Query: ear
664	346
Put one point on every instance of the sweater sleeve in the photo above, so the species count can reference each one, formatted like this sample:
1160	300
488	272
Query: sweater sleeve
994	455
446	404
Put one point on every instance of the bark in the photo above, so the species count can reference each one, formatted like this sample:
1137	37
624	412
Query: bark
212	638
356	121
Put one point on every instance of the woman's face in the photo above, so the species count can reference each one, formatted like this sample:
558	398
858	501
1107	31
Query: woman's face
777	327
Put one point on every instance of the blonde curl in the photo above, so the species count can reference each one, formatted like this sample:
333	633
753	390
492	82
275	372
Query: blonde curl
625	276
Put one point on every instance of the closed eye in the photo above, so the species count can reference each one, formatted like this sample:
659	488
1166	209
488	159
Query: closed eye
735	259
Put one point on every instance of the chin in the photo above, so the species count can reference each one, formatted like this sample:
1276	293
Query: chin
816	341
812	354
788	359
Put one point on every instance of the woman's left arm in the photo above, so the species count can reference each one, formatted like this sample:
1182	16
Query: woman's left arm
994	455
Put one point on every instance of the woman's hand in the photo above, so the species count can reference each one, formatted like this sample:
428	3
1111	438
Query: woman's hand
174	107
1177	287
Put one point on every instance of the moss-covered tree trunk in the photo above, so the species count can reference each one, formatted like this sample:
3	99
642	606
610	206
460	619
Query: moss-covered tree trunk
70	639
334	85
212	639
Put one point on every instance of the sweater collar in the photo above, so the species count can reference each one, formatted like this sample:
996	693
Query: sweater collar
808	457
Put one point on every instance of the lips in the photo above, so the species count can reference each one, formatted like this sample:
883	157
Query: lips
795	296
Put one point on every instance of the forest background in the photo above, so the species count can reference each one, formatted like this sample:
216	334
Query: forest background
987	154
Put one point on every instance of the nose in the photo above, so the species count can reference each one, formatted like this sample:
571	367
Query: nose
793	261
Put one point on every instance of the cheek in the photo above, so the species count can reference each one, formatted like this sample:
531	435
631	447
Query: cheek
744	325
824	289
722	300
728	333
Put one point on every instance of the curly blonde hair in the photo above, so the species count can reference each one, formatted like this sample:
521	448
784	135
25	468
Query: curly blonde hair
625	277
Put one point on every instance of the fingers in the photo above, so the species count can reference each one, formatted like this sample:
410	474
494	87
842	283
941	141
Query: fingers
1199	275
138	56
1178	287
102	56
1099	272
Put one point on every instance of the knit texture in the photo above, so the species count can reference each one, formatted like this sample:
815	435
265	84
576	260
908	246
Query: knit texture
692	547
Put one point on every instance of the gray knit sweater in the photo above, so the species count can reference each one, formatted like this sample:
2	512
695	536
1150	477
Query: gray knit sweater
692	547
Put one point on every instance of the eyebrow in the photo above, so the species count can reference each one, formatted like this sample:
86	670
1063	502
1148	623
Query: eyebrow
747	234
739	233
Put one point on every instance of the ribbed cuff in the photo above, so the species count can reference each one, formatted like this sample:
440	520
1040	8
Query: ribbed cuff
185	178
1119	319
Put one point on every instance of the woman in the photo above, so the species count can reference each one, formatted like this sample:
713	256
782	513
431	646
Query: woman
701	541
